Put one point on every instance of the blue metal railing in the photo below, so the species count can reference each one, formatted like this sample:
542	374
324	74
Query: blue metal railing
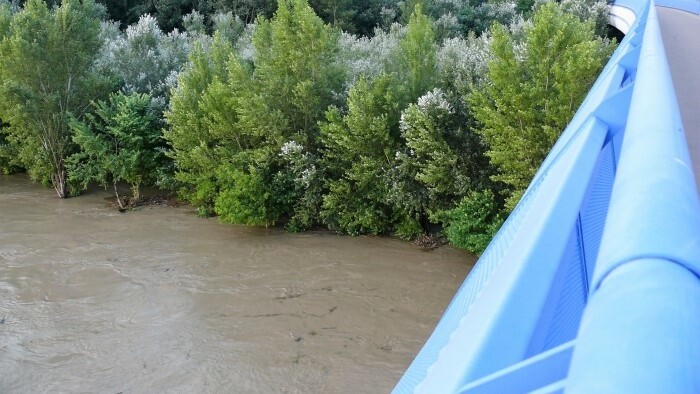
516	320
639	331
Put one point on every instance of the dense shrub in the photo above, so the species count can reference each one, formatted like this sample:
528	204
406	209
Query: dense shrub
267	114
120	141
473	223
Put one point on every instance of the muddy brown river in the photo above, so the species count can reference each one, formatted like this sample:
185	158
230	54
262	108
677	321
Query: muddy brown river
159	300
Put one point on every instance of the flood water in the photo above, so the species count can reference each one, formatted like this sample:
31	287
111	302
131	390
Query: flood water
159	300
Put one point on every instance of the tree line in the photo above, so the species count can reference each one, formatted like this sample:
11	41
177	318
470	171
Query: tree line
283	118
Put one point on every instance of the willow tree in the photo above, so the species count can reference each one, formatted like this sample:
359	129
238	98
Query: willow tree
358	151
119	142
417	64
45	78
533	89
192	117
295	77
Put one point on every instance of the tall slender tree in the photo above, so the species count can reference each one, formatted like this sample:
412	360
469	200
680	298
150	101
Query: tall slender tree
295	77
533	91
190	119
359	150
417	65
46	76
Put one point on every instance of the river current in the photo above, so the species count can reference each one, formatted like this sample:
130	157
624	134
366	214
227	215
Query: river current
159	300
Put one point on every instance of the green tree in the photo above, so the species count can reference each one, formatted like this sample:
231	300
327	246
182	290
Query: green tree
335	12
247	10
8	152
365	186
358	16
169	13
6	11
477	16
46	76
191	118
238	128
359	150
295	68
294	78
120	142
533	91
417	64
474	221
367	16
441	160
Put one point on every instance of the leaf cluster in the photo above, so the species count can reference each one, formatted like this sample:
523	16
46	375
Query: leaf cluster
533	91
119	141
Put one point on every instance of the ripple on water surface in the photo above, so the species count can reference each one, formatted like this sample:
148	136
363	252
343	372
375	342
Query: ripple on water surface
159	300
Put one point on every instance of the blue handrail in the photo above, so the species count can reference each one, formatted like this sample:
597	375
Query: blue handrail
621	165
639	330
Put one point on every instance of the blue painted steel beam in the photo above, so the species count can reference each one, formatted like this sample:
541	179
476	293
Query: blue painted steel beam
451	331
532	374
654	210
485	341
639	332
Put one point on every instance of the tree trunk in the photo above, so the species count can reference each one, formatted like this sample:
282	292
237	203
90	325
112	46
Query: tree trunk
136	192
58	180
116	193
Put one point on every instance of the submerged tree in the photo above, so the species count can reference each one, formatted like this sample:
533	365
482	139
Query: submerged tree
46	77
533	91
8	152
433	170
120	142
474	221
193	115
358	153
294	78
235	121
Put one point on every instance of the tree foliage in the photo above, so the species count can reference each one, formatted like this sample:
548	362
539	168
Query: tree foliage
440	162
144	59
419	117
233	124
295	69
294	79
358	152
533	91
120	142
474	221
361	147
478	16
192	116
8	153
417	56
46	76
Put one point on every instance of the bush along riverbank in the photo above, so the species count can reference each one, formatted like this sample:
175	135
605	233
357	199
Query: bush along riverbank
430	121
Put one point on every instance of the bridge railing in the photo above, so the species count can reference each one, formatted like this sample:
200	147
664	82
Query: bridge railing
640	328
515	320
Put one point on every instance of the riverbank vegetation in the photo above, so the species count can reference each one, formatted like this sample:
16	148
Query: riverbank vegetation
373	117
